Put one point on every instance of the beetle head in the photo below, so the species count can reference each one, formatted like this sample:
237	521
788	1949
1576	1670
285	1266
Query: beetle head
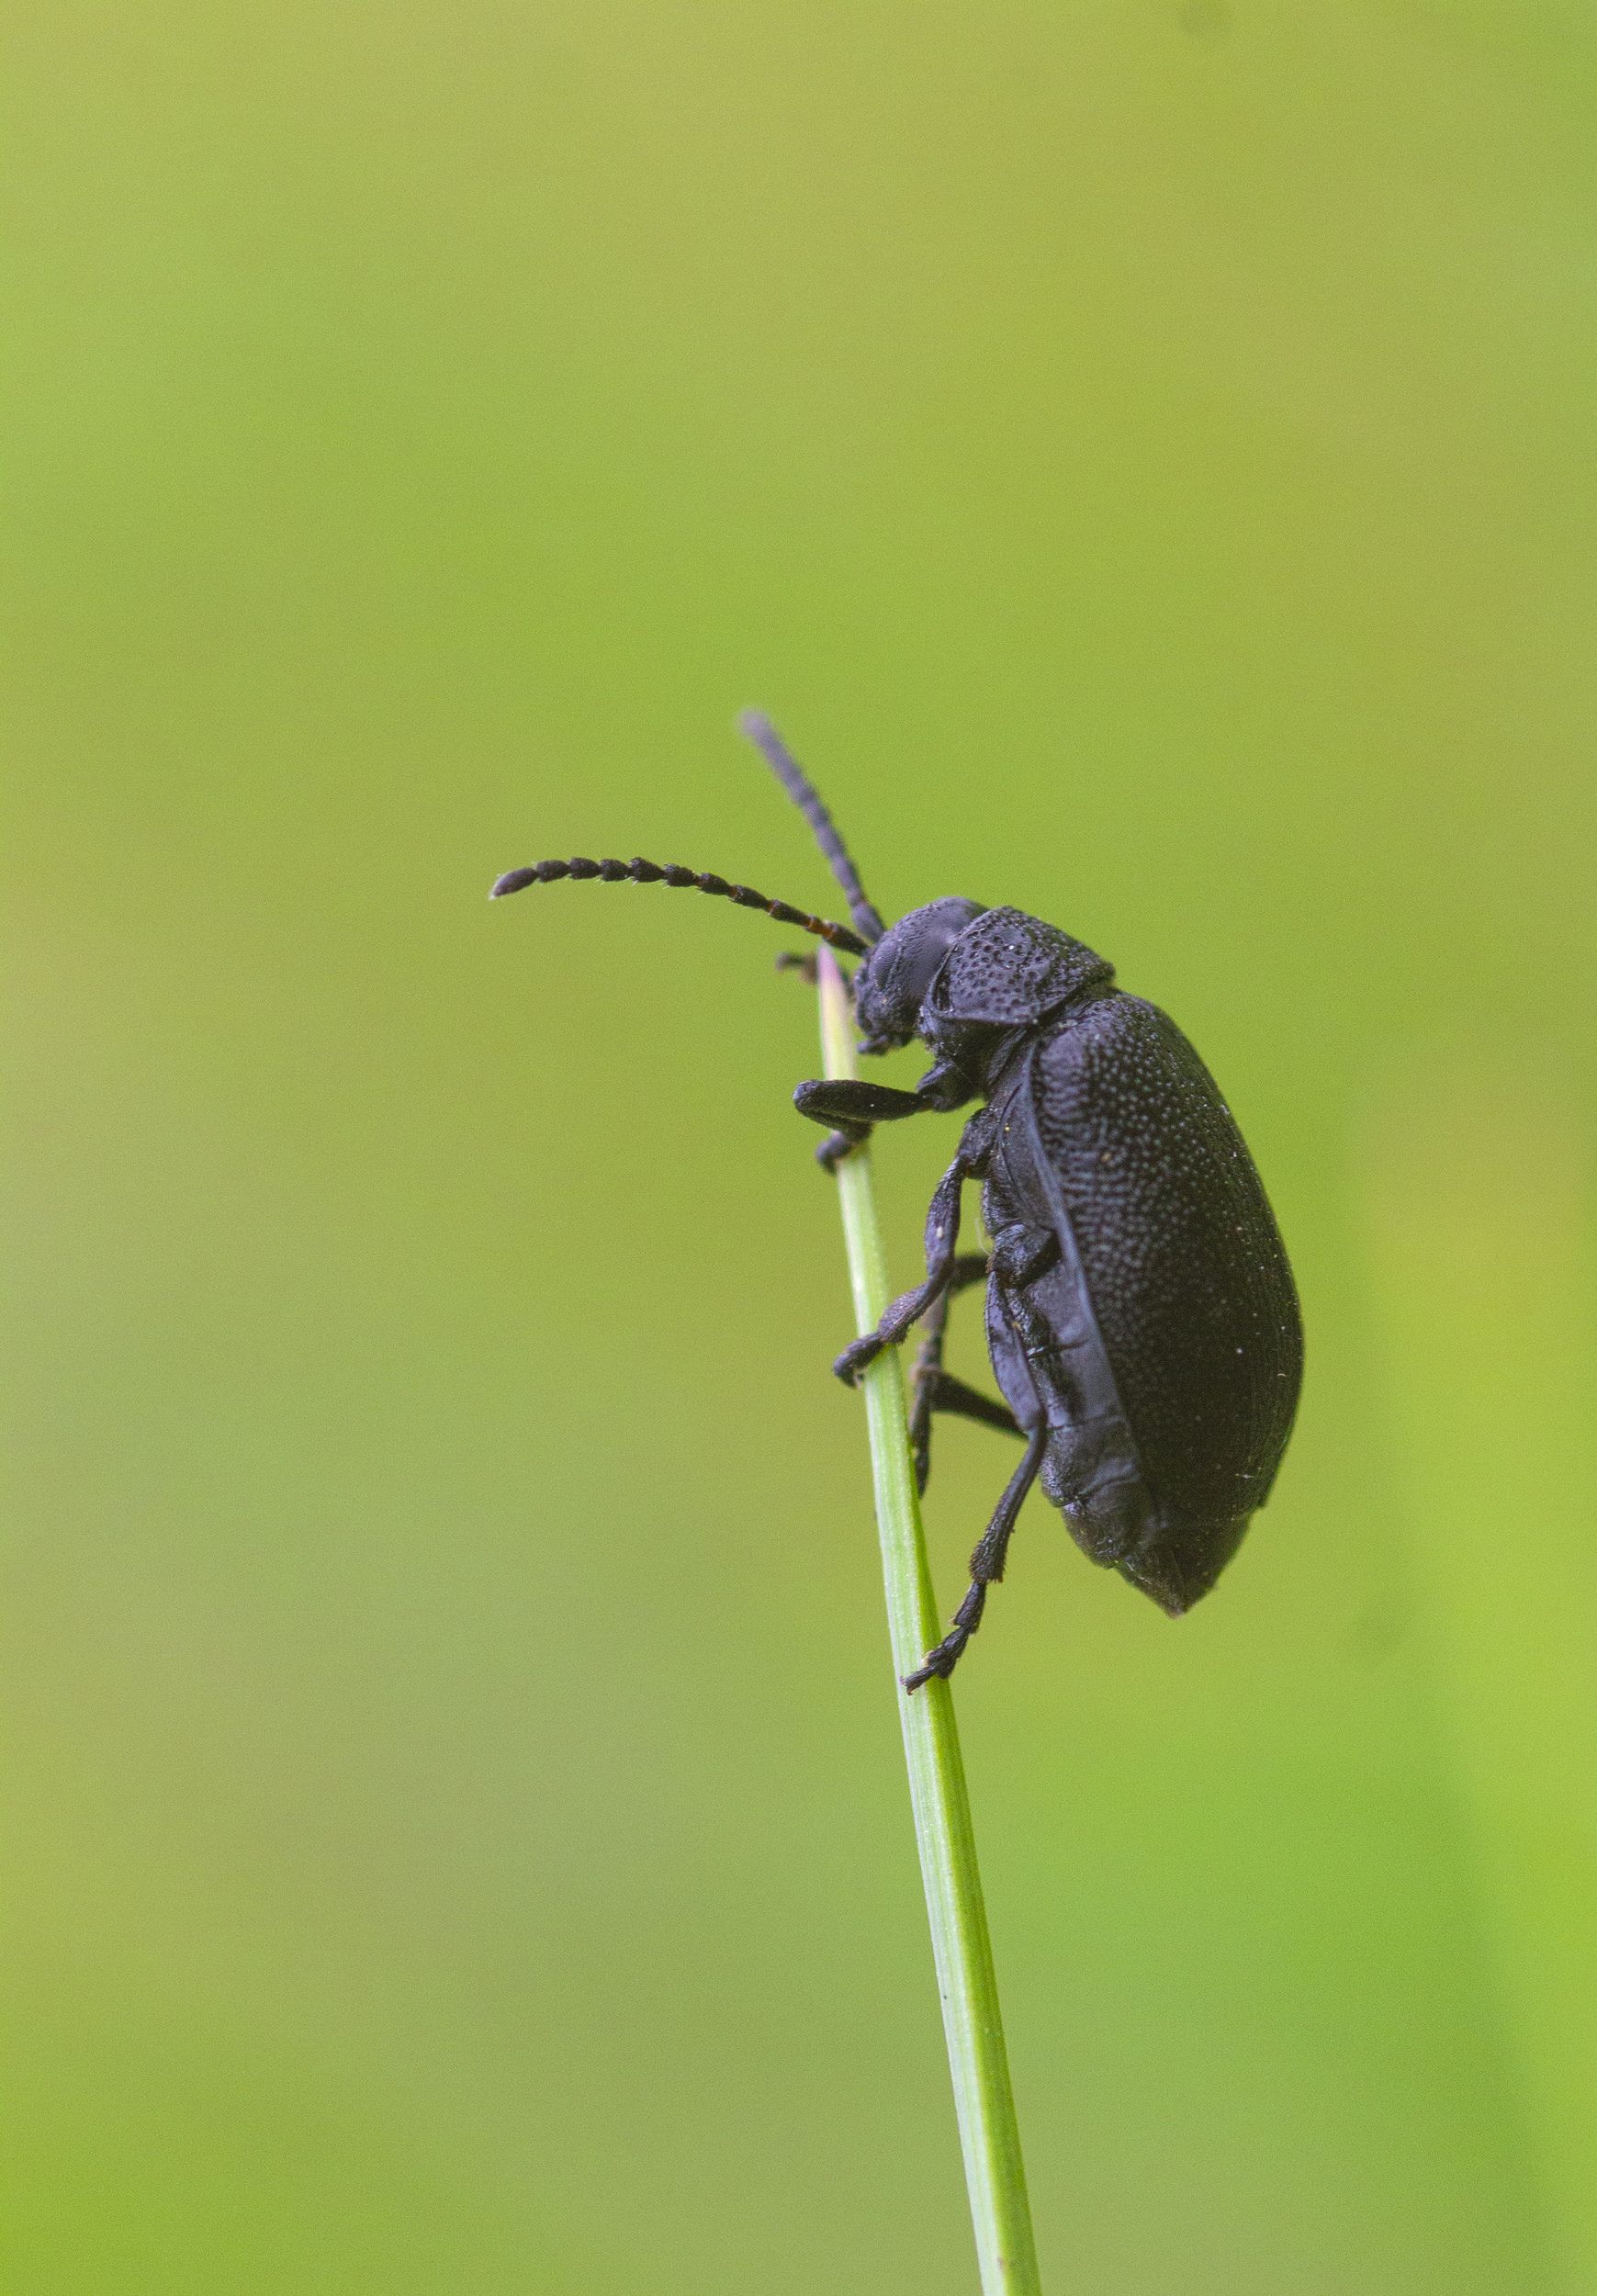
965	977
893	982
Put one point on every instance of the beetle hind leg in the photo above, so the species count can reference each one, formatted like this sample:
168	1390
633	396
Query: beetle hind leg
987	1568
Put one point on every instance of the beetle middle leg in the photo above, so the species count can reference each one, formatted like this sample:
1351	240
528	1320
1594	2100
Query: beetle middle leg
931	1388
942	1235
1020	1254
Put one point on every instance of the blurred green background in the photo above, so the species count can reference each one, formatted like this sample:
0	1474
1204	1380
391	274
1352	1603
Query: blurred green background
1143	457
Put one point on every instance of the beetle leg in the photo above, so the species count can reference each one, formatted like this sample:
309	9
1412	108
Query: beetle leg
969	1268
943	1392
942	1235
931	1388
1013	1246
853	1100
852	1106
945	1088
1021	1254
987	1568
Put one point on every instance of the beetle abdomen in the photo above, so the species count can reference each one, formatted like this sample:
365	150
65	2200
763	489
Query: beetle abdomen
1181	1257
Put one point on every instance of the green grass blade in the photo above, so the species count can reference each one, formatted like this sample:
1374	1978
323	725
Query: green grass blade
989	2134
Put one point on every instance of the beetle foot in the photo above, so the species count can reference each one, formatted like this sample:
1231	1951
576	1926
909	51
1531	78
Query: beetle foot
939	1664
968	1617
837	1147
857	1357
793	960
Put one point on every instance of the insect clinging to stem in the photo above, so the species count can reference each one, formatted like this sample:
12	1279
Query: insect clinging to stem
1141	1314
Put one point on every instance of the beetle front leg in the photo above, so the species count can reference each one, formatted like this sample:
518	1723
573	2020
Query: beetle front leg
851	1107
942	1235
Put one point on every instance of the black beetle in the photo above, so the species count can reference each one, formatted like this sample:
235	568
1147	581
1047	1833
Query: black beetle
1141	1318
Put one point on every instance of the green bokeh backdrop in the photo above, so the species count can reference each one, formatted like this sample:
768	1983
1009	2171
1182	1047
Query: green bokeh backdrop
1143	456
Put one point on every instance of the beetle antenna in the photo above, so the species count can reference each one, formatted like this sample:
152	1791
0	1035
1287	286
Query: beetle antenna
807	797
646	873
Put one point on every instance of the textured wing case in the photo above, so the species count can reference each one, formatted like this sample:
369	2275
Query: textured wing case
1182	1260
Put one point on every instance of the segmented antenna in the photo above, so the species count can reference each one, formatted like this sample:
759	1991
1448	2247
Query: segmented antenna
646	873
807	797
